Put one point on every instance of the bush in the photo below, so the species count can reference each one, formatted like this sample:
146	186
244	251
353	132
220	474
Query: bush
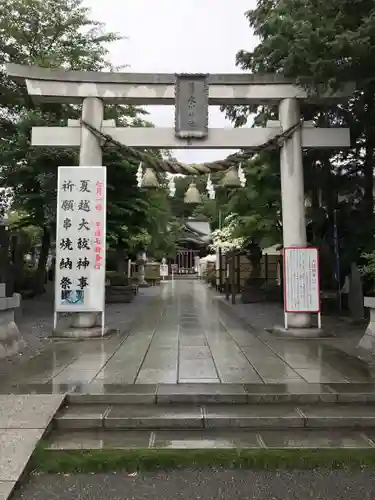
26	279
116	279
211	278
367	271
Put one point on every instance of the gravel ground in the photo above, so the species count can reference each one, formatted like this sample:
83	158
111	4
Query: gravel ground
205	485
35	322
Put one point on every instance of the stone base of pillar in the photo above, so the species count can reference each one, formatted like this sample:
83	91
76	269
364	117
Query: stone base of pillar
81	333
295	332
85	320
80	326
143	284
299	320
11	341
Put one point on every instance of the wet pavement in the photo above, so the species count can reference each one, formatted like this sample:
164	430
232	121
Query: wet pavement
23	422
182	335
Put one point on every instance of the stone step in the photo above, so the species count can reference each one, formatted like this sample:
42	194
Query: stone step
205	394
259	416
210	439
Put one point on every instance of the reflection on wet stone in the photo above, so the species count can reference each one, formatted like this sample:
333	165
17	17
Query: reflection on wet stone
181	335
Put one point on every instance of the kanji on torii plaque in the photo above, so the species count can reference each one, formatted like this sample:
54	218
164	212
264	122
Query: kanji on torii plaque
191	111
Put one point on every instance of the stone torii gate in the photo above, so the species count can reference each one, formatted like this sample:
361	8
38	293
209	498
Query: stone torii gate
191	95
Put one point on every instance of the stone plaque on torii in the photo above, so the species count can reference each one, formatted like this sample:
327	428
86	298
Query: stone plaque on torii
94	90
191	107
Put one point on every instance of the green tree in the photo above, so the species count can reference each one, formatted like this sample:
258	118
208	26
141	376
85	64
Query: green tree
58	34
319	55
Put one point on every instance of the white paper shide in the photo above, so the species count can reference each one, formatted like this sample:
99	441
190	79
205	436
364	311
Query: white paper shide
301	280
80	239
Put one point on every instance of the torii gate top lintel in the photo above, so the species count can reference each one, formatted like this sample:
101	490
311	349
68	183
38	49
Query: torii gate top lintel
58	85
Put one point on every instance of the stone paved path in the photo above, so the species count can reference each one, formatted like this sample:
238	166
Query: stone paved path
182	335
23	421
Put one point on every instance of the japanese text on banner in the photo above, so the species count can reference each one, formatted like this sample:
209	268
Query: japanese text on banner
80	243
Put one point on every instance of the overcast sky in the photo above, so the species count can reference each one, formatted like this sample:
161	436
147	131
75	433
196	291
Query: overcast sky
176	36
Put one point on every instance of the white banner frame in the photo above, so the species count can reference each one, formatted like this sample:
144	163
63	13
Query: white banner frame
164	271
293	258
95	302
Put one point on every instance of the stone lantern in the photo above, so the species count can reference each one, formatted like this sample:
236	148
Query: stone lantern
10	339
141	261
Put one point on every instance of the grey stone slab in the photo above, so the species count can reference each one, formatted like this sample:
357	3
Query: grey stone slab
355	388
115	378
252	416
233	366
267	363
314	439
28	411
192	340
188	353
84	416
164	362
289	393
282	380
119	373
75	376
99	440
320	375
205	439
277	372
336	416
165	342
197	368
97	388
200	380
44	367
158	376
197	393
6	488
114	393
155	417
258	352
354	393
234	375
299	360
189	326
48	388
16	447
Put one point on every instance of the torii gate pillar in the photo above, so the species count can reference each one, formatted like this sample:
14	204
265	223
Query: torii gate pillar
292	191
90	155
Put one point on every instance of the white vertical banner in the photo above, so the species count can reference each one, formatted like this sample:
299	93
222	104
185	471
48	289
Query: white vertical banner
80	239
301	279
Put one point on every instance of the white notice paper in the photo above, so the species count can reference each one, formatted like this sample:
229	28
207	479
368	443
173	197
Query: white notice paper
301	280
